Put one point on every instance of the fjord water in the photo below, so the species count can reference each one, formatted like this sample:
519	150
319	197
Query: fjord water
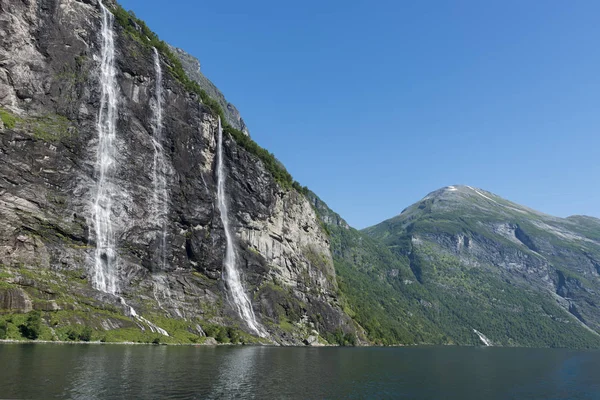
156	372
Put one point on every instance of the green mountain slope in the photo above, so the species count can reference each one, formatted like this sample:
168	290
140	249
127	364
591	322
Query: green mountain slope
518	276
463	259
377	286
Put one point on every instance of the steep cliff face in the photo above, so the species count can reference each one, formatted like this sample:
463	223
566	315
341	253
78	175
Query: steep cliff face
50	96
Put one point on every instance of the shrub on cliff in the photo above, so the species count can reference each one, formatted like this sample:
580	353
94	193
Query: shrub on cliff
86	334
32	328
3	329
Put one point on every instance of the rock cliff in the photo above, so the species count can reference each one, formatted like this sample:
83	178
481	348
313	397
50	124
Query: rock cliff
50	96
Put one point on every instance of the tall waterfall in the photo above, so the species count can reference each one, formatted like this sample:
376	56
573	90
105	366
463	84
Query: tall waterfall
231	274
105	263
105	268
159	166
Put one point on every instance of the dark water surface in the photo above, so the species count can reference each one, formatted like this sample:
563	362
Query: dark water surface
41	371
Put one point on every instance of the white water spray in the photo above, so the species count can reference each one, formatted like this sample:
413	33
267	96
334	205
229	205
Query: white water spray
230	273
159	166
134	314
484	340
105	263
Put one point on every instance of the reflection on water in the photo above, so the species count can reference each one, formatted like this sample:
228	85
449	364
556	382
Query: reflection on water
238	370
179	372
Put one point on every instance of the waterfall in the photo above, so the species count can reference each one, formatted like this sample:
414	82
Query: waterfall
134	314
105	263
484	340
159	166
231	275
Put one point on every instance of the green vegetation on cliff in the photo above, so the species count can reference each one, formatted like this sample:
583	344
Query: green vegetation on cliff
8	120
139	31
49	127
408	285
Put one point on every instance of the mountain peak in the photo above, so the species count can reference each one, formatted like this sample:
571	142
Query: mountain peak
465	200
461	190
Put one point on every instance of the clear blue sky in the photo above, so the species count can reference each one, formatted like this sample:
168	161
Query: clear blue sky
373	104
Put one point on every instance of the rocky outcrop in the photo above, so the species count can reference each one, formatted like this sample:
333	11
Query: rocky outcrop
191	65
14	300
327	216
50	96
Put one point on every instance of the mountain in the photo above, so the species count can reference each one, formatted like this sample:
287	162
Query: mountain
378	288
518	276
112	225
134	206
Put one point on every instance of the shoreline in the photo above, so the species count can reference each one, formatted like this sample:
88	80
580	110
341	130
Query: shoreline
97	342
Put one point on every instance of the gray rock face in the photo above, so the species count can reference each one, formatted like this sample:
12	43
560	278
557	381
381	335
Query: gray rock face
326	215
15	300
191	65
49	99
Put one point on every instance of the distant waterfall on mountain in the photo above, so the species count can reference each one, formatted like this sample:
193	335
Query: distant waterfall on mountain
159	166
105	267
483	338
231	274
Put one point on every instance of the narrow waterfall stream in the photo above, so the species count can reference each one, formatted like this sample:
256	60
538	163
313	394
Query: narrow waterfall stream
483	338
105	264
231	274
159	166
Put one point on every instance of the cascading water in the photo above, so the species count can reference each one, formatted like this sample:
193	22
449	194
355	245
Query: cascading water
134	314
159	167
483	338
230	273
105	263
